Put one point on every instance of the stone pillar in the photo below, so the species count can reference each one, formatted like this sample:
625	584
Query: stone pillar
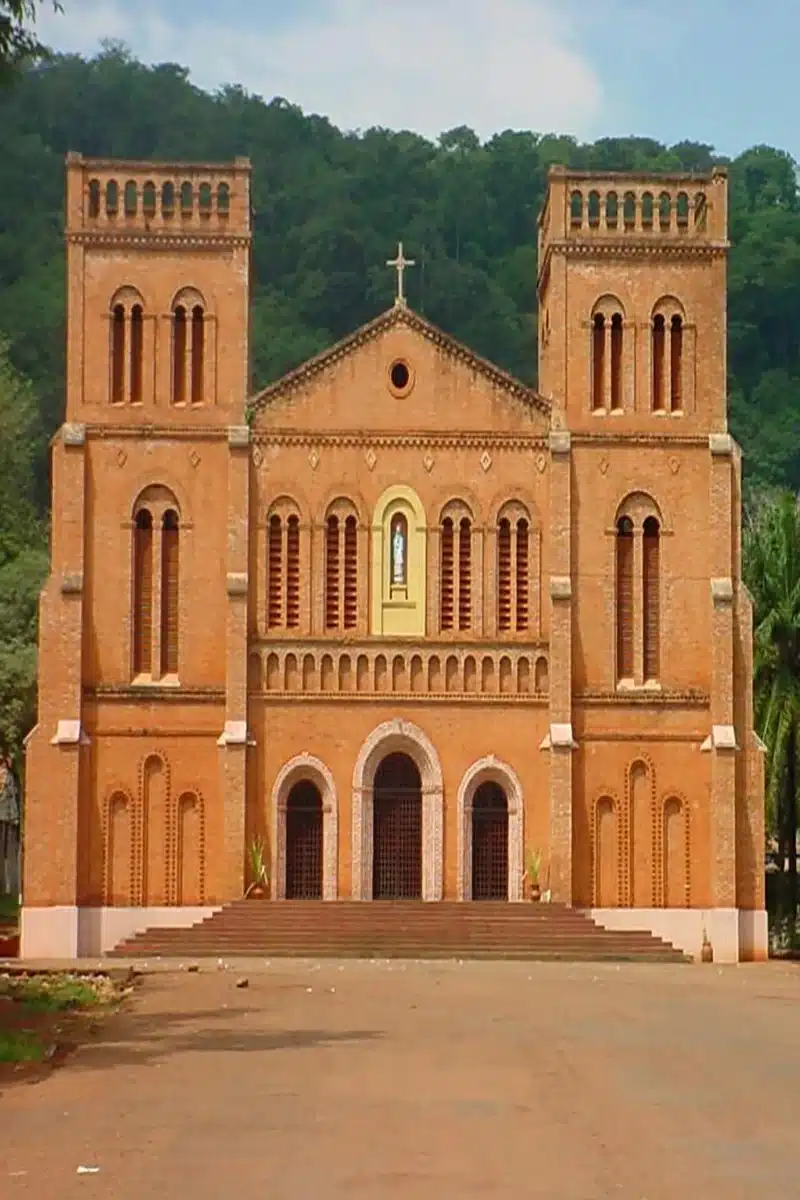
723	736
235	737
561	741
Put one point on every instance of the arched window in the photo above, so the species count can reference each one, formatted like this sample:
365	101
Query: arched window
598	361
179	343
594	209
576	208
293	572
504	575
274	572
682	210
332	573
204	199
658	338
465	574
523	556
118	354
143	593
186	199
647	210
447	574
223	199
350	572
112	198
137	352
168	199
131	199
149	199
612	210
616	361
198	349
629	210
675	356
169	592
625	599
650	597
664	210
94	198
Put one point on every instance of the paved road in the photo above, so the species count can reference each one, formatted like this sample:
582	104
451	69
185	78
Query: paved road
426	1082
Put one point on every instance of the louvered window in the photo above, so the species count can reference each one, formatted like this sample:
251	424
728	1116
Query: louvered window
169	593
523	539
292	573
179	348
350	573
465	574
504	575
616	361
143	594
332	573
274	571
625	618
650	597
447	580
198	350
598	361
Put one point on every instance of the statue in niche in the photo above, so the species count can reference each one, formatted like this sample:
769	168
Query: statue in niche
399	543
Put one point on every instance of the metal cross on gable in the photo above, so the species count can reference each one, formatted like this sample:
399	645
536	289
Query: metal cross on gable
400	263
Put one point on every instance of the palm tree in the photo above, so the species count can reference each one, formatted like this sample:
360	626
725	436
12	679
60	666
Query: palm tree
772	573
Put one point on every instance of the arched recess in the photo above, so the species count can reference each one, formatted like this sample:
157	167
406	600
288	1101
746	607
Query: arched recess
342	601
285	548
399	563
610	366
516	569
388	738
126	346
640	835
154	633
302	767
607	857
193	349
638	569
119	849
156	830
674	852
459	584
490	770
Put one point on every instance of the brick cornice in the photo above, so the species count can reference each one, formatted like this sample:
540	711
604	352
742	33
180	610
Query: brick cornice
411	440
674	698
132	239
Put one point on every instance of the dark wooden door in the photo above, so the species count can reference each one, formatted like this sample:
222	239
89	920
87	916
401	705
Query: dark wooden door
397	830
304	843
490	843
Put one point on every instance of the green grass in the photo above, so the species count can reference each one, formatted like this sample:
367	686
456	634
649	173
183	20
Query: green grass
9	908
53	994
19	1047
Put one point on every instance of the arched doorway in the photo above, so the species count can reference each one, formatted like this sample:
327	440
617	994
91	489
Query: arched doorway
490	843
397	830
304	842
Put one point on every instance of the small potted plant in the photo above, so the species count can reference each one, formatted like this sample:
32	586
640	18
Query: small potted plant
533	868
258	888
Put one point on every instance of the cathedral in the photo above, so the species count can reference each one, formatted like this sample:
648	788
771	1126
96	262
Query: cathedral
397	625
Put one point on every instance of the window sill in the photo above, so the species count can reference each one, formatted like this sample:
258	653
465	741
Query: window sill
650	686
166	681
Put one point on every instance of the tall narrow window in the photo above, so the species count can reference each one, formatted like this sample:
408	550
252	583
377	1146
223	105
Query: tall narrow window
447	580
118	355
332	573
198	330
658	363
465	574
504	575
616	361
350	573
650	597
598	361
523	536
137	352
675	355
179	356
143	593
274	565
625	600
169	593
292	573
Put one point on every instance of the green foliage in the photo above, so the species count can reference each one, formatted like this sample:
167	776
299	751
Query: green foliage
17	1046
772	573
53	993
18	42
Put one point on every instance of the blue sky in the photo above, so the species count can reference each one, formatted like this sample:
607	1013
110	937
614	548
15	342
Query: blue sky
716	71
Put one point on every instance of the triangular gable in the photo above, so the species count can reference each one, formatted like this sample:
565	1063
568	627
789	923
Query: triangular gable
399	314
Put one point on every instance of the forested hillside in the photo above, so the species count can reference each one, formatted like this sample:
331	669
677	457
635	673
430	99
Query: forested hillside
330	208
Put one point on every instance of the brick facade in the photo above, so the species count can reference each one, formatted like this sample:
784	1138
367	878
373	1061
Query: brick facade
226	617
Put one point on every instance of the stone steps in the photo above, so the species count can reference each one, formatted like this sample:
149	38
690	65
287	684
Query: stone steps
400	929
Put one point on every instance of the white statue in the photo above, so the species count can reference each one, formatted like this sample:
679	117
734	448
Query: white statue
398	554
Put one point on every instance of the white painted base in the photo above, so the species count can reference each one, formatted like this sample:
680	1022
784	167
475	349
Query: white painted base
90	932
736	935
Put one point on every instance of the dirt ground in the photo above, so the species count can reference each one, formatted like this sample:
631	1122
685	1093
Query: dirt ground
422	1081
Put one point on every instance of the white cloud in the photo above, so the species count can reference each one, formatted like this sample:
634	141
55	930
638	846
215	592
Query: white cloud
426	65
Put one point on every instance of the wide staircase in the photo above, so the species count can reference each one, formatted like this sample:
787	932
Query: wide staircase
399	929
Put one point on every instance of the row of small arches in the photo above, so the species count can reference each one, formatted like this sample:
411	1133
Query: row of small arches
387	674
114	198
645	211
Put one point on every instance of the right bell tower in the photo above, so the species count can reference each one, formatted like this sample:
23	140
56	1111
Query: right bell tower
631	286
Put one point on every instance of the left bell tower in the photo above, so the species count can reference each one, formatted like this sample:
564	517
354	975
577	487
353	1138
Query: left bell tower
145	608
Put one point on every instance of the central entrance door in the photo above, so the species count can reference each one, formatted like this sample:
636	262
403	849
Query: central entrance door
397	830
490	843
304	842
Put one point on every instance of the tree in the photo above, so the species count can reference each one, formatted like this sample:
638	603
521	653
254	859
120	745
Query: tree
772	573
18	40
